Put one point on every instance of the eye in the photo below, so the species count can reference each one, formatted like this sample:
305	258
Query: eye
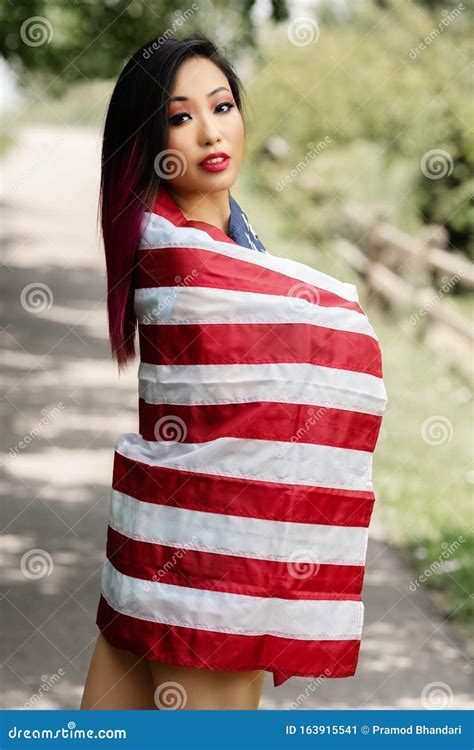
176	119
226	104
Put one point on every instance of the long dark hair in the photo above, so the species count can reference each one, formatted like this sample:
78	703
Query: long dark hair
135	133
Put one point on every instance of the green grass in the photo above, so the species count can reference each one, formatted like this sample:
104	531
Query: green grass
424	490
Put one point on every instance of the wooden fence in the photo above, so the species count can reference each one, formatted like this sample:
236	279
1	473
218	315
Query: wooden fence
413	278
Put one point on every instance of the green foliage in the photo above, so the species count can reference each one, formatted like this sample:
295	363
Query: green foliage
84	40
384	102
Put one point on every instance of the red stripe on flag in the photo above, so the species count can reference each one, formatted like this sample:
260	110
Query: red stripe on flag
273	501
250	576
265	420
206	649
184	267
256	343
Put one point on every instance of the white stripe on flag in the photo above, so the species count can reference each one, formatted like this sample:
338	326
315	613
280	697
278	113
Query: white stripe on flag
283	462
176	305
240	536
219	611
282	382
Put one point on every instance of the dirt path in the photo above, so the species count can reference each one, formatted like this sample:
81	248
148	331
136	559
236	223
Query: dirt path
63	408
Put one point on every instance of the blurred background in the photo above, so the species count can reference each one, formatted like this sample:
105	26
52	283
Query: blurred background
359	161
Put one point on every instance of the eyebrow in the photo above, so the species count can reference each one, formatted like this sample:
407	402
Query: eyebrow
185	98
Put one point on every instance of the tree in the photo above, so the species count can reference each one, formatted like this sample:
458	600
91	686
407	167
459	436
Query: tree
73	40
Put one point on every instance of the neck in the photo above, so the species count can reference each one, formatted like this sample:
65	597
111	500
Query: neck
212	208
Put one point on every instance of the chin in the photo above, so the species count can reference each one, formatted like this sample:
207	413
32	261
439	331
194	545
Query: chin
205	182
218	181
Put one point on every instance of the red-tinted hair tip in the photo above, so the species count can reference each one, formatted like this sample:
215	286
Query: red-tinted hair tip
122	214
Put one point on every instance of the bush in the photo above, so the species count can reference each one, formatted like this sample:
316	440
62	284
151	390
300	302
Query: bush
373	80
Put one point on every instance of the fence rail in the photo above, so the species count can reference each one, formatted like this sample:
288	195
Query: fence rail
413	278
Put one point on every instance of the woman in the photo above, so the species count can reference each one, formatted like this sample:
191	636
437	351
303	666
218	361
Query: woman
237	548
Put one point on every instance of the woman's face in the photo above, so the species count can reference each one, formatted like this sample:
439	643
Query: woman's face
203	121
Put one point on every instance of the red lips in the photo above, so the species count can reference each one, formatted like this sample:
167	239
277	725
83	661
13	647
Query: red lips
214	156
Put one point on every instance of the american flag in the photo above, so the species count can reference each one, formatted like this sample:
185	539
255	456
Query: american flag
239	514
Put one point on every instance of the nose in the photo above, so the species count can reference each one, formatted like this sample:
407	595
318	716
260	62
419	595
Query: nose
209	132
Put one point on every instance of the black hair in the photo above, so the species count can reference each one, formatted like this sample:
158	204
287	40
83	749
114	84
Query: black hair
134	134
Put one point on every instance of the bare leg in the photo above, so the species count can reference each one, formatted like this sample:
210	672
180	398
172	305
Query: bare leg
180	687
117	679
